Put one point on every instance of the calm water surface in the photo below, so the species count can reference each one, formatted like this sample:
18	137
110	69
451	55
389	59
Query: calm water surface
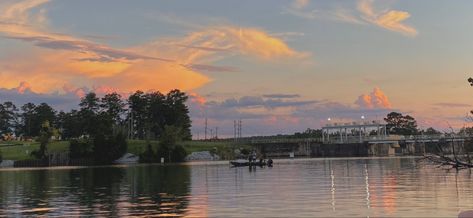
292	188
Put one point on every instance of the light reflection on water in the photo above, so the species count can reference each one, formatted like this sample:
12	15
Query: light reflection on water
292	188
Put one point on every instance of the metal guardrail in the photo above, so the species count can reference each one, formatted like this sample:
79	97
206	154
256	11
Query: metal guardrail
283	140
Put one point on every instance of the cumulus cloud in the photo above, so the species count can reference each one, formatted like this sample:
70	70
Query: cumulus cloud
375	99
22	94
262	115
55	60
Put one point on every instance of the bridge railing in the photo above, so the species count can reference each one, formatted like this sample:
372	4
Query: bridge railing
283	140
351	139
358	139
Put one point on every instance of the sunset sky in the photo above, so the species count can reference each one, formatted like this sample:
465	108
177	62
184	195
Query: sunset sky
280	66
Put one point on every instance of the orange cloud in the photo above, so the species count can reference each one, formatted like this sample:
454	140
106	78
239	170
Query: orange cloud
79	92
299	4
197	98
376	99
389	19
23	87
56	60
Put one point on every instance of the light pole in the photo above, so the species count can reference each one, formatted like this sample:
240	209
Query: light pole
362	123
328	131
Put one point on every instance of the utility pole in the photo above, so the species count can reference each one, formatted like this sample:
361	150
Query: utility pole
239	129
205	136
234	131
216	132
130	127
211	133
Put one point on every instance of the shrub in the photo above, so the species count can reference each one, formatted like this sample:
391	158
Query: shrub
148	156
79	148
178	154
109	148
1	158
163	152
245	151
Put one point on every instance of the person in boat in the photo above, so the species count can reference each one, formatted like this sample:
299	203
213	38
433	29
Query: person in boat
270	162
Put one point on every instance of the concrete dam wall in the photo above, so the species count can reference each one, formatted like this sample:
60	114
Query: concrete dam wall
357	149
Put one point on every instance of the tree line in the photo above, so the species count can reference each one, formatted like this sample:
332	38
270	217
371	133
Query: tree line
142	116
100	126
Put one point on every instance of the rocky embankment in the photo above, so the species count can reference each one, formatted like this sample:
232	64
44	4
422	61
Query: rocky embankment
202	156
7	163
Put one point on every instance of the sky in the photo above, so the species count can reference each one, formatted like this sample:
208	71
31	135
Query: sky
279	66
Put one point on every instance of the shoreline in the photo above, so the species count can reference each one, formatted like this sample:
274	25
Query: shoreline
200	162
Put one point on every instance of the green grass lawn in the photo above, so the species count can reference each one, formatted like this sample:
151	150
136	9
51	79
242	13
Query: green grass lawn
17	150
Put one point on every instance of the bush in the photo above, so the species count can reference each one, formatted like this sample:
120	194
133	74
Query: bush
109	148
245	151
1	158
178	154
79	148
148	156
163	152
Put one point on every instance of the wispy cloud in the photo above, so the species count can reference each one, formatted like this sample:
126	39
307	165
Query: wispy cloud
388	19
282	96
58	60
449	104
347	16
365	13
210	68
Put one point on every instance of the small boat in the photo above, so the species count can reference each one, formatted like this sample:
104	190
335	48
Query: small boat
246	163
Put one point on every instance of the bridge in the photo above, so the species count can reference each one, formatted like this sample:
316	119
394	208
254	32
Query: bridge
390	139
356	139
350	146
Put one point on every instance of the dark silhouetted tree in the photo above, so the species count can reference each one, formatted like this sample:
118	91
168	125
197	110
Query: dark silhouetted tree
138	104
70	124
89	108
113	106
400	125
27	120
8	118
431	131
177	113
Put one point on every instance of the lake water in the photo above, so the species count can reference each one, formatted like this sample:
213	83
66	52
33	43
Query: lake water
370	187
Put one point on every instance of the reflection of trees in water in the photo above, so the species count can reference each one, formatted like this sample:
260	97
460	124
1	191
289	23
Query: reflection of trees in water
28	192
133	191
97	189
102	191
159	189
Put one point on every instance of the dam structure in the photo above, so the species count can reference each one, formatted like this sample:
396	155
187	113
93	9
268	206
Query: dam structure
359	139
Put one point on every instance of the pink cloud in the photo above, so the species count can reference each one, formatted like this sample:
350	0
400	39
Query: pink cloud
375	99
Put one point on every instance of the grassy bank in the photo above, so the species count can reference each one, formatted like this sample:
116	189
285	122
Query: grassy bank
17	150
